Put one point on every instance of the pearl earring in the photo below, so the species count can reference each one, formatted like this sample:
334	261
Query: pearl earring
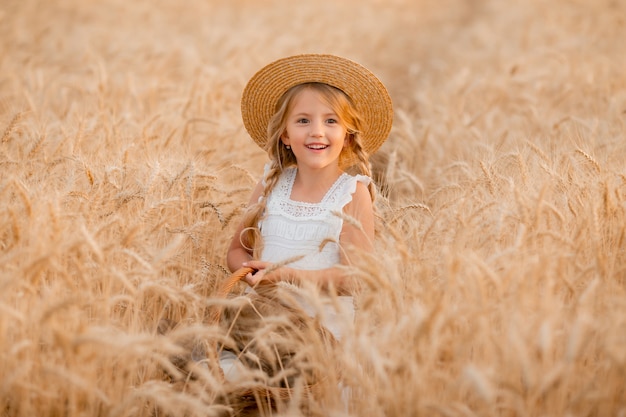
288	147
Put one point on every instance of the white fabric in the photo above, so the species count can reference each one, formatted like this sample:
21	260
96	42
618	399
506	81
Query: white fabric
308	231
293	229
231	366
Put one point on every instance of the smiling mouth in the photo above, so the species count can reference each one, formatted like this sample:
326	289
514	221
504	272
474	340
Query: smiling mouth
317	147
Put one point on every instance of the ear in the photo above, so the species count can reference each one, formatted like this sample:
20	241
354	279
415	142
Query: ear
347	142
284	138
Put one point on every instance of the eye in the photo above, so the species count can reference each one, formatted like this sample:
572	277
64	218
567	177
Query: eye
331	121
302	120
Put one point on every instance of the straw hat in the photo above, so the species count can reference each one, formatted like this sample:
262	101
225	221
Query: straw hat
369	95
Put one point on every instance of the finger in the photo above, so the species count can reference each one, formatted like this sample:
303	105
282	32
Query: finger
249	279
256	264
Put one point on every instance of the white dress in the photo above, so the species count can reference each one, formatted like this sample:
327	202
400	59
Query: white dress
306	235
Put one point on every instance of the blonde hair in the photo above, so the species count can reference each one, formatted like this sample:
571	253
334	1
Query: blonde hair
353	157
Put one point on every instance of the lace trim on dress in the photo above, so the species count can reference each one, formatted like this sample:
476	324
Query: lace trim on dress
337	196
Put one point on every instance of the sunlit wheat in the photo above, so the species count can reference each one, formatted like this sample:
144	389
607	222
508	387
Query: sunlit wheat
498	282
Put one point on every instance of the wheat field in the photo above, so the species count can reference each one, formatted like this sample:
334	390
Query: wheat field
498	287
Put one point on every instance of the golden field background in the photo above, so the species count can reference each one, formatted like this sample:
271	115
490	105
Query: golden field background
499	284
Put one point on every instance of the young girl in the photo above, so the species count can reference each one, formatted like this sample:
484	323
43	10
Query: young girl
318	117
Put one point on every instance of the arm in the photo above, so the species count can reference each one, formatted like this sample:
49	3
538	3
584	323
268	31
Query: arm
237	253
353	239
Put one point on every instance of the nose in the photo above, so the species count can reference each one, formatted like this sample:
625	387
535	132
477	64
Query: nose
317	129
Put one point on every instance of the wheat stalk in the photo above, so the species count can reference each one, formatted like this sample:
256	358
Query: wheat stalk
37	146
589	159
10	129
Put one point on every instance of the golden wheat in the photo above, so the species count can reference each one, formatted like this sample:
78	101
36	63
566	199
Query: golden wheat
498	284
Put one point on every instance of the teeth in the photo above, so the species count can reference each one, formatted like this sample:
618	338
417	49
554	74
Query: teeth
317	146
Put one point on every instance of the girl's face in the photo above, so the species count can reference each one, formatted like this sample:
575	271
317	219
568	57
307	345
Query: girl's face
314	131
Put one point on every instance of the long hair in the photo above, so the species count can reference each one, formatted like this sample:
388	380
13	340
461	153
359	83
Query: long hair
353	156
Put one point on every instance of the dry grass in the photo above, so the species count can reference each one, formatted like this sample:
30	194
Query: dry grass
499	287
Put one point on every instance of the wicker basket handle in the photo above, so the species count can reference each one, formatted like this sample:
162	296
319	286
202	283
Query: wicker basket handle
226	287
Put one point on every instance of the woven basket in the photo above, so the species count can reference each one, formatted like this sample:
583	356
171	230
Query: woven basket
260	395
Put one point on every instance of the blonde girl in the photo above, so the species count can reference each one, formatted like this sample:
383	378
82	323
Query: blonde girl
318	117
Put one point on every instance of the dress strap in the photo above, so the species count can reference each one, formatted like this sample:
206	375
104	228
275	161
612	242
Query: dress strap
285	181
347	187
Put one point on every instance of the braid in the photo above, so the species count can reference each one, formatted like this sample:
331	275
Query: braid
251	235
362	164
280	158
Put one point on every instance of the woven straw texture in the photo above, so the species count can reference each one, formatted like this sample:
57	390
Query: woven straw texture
260	395
365	90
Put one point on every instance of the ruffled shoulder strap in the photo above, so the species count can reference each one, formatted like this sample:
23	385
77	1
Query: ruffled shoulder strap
266	171
347	188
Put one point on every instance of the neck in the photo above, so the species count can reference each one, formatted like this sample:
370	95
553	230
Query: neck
314	183
314	176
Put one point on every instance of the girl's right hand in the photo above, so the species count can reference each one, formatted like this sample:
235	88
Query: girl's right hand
254	278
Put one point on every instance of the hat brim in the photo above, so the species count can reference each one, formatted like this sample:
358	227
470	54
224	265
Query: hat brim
367	92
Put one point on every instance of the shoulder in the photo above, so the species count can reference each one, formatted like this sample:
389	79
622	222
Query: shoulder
360	208
277	180
357	186
257	192
268	172
360	198
361	192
